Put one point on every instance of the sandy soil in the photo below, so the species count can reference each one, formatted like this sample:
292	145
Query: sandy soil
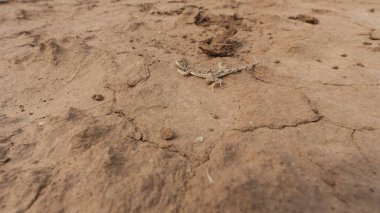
95	118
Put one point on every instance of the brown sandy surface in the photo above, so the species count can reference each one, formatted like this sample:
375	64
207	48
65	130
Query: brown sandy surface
95	118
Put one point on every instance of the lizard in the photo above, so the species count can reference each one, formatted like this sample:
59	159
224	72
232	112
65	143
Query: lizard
212	76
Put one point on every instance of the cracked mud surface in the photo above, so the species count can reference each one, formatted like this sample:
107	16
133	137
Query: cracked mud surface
292	135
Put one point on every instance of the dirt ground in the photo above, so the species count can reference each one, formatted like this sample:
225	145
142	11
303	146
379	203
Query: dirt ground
94	116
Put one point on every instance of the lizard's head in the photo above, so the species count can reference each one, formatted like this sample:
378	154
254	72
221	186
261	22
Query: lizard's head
183	66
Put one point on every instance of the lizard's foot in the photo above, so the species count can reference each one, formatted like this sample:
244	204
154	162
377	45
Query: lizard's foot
211	87
219	81
221	66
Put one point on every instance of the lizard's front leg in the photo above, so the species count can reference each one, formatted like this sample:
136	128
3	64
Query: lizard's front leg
221	66
214	81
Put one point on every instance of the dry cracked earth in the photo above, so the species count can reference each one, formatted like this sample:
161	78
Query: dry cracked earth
88	86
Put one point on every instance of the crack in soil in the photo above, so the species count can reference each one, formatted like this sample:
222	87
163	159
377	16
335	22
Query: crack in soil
7	138
365	128
40	188
168	149
156	145
114	99
317	82
317	119
311	104
358	147
268	82
346	85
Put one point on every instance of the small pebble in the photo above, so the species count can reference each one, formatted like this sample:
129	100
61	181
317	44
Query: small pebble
367	43
214	115
199	139
167	134
344	55
335	67
277	61
98	97
6	160
360	64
